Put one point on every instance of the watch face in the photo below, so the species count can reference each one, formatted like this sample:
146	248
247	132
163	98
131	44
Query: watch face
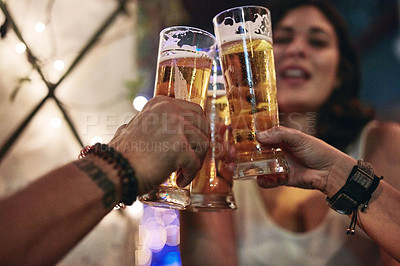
343	204
356	191
362	178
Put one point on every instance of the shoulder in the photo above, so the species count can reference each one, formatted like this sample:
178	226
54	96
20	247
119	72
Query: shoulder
383	133
382	150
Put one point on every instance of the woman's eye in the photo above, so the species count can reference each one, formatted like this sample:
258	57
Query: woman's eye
318	43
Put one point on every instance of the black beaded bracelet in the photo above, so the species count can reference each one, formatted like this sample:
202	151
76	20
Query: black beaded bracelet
357	191
125	171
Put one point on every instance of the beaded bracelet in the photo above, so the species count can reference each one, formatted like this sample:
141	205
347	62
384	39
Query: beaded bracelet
125	171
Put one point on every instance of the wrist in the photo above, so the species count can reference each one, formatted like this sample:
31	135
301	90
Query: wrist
122	169
356	192
338	174
107	168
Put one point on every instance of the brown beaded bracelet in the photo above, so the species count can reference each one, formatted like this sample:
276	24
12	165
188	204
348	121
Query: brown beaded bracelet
125	171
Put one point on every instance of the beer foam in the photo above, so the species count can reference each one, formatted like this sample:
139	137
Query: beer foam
182	53
239	37
169	36
259	29
175	43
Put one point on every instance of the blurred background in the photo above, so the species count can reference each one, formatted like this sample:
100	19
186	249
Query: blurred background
71	72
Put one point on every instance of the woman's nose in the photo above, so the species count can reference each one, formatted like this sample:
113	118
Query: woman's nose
297	48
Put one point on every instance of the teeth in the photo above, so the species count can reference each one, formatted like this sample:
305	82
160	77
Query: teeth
294	73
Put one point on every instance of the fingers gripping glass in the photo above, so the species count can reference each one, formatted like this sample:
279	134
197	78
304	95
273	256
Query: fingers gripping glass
212	188
244	36
184	66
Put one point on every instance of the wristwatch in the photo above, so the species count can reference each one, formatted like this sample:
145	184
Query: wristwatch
358	189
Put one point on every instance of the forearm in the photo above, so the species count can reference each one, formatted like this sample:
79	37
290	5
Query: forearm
207	238
43	222
317	165
338	173
380	220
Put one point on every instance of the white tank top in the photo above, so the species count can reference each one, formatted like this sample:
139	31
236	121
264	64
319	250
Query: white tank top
263	242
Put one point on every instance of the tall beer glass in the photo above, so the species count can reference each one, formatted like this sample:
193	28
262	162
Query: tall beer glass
184	66
212	187
244	36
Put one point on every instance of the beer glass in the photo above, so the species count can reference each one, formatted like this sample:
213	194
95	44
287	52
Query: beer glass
184	64
244	37
212	187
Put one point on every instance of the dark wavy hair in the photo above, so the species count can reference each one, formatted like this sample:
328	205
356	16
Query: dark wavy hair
342	117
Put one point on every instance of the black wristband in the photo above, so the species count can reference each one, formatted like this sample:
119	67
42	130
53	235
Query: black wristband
358	190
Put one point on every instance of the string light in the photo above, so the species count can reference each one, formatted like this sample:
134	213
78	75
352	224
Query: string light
40	27
59	65
163	226
55	122
20	48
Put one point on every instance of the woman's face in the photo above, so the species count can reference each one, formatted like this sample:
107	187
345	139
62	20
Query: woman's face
307	58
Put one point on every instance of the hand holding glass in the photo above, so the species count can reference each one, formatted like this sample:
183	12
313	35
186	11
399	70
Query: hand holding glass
244	36
212	188
185	59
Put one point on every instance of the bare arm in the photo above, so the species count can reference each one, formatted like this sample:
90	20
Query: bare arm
381	150
207	238
317	165
42	222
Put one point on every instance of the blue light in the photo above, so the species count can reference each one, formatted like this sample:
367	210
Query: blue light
168	256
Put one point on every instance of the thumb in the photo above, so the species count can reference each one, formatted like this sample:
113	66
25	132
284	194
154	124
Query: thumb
188	172
274	135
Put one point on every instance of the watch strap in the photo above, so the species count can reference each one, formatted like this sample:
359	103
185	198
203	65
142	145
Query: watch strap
357	190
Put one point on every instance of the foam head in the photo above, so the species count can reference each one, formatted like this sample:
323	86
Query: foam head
242	23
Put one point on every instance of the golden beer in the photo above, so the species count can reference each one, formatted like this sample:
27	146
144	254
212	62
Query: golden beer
184	78
249	73
184	63
212	187
250	112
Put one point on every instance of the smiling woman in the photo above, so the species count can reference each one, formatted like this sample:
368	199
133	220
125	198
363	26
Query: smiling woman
307	59
318	83
322	53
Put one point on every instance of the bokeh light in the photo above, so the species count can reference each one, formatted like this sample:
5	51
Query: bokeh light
40	27
159	232
20	48
135	210
59	65
55	122
139	102
143	256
